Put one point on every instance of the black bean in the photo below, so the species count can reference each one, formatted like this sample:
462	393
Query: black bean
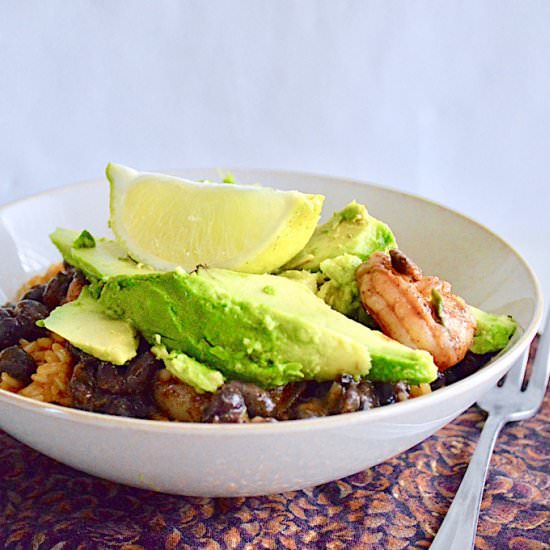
258	401
69	269
56	290
238	401
82	386
227	406
10	331
78	282
385	391
368	396
348	395
133	378
27	313
17	363
110	378
439	382
6	312
344	395
83	357
350	400
123	405
36	293
140	372
315	389
285	397
470	364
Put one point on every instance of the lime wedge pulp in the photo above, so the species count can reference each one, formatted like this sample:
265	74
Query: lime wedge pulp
165	222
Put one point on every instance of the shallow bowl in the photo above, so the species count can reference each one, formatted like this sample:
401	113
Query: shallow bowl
243	460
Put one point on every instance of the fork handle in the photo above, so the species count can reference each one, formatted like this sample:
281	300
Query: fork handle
458	530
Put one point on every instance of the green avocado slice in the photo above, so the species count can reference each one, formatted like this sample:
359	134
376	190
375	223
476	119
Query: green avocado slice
260	328
493	332
188	370
86	326
99	262
350	231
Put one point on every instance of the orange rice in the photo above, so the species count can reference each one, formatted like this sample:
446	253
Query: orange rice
50	382
9	384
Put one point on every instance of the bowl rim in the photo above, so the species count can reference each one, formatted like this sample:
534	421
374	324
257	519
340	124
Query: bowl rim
377	414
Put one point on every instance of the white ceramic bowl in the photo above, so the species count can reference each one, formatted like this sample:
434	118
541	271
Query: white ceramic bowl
237	460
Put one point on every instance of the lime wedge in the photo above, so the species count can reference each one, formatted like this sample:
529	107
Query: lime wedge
166	222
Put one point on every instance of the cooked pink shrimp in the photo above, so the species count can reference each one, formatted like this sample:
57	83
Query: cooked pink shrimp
420	312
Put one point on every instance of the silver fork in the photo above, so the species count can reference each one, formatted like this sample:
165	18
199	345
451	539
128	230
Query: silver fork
504	403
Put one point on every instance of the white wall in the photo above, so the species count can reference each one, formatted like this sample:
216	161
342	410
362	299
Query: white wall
446	99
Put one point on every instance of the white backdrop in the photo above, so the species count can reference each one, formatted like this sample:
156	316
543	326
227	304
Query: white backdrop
450	100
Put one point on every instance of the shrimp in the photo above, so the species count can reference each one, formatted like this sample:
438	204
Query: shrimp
416	310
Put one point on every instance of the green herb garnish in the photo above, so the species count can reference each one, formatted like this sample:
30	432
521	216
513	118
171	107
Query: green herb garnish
84	240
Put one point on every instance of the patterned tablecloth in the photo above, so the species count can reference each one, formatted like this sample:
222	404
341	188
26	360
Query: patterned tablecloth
398	504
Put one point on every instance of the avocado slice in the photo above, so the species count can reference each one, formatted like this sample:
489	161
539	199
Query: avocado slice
335	282
350	231
306	278
86	326
188	370
493	332
340	289
261	328
99	262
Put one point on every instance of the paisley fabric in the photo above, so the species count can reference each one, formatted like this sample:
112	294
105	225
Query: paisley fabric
398	504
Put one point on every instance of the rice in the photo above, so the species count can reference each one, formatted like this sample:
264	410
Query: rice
50	382
9	384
